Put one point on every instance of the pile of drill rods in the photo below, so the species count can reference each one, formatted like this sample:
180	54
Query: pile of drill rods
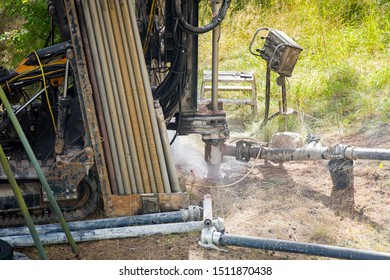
139	159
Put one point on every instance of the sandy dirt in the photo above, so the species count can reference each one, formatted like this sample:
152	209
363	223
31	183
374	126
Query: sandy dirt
289	202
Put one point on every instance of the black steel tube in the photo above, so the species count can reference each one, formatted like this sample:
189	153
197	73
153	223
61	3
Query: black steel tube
300	248
367	153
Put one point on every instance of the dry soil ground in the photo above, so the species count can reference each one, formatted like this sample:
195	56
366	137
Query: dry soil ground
291	202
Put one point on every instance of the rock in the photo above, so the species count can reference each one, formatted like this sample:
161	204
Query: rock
286	140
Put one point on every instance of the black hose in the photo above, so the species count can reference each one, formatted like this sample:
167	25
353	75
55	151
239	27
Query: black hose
202	29
300	248
170	91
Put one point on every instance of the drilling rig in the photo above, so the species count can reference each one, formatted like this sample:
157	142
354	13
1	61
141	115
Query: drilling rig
95	108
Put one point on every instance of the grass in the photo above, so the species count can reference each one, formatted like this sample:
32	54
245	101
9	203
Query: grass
342	76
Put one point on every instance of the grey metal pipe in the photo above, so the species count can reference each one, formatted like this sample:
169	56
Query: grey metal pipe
96	93
207	210
118	79
148	91
65	94
108	233
127	127
312	153
106	92
132	122
31	100
161	177
134	91
187	215
215	56
300	248
173	178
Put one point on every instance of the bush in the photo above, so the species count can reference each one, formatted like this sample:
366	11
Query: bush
31	30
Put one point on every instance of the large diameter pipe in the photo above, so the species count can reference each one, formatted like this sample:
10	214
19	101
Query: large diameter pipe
191	214
311	153
39	171
300	248
108	233
22	205
366	153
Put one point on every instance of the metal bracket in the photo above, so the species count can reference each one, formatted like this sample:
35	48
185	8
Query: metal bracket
150	203
210	237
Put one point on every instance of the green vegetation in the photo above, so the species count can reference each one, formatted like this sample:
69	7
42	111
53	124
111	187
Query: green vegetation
26	25
343	74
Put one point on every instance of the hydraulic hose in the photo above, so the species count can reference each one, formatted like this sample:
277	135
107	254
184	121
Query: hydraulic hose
202	29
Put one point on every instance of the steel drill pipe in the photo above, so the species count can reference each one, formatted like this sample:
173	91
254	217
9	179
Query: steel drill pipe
311	153
191	214
300	248
129	123
132	100
146	99
170	164
96	93
215	56
92	29
207	210
117	75
109	233
134	91
149	96
106	92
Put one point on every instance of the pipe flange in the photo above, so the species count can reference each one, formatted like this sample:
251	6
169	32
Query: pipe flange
194	213
210	238
219	224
